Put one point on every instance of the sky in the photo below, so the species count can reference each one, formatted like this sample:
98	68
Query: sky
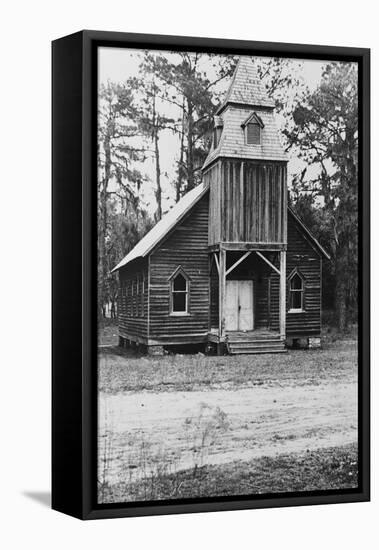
119	64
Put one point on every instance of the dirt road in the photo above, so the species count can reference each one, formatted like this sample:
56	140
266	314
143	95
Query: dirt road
234	424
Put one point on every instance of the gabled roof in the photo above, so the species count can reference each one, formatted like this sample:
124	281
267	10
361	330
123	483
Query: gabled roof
160	230
246	87
311	237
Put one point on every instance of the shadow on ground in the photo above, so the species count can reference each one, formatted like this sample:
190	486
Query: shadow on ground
41	497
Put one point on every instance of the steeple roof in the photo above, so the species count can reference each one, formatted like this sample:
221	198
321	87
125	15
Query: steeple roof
246	100
246	87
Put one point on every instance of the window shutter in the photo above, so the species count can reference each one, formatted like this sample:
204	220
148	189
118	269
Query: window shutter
253	134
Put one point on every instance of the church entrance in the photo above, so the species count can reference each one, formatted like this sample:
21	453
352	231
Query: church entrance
239	305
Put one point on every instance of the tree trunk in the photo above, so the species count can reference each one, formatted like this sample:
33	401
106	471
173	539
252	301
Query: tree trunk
341	307
179	183
155	138
102	250
158	191
104	221
341	290
113	308
190	168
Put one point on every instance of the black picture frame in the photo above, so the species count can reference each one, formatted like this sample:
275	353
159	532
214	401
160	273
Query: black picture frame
74	333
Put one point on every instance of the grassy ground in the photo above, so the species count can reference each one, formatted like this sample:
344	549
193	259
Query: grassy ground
108	333
121	371
324	469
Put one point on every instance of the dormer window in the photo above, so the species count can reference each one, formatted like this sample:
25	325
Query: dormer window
253	134
252	128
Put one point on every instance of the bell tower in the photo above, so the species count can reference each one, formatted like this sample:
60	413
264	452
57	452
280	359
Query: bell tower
246	170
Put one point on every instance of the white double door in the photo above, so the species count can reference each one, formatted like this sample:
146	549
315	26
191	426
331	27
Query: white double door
239	305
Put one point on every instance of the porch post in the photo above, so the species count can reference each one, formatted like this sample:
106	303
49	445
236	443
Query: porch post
222	285
282	295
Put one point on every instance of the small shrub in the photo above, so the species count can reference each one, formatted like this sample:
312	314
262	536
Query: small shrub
202	431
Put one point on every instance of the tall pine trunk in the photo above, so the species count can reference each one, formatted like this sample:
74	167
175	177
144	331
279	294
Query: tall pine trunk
158	191
190	162
155	138
179	182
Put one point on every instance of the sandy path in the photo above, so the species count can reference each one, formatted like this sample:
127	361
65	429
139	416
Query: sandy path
261	420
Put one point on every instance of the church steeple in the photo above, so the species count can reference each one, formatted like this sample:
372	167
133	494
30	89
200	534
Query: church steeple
246	88
246	171
245	126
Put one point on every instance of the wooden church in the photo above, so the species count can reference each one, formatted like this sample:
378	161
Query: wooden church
230	266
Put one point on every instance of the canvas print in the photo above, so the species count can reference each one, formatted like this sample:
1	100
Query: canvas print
227	231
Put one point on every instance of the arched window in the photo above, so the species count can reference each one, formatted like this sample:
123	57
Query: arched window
253	133
179	290
296	297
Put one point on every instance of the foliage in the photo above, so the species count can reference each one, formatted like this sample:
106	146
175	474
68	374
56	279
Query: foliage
185	85
151	122
283	83
121	222
325	135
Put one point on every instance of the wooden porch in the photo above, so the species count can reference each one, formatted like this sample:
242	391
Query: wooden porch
244	312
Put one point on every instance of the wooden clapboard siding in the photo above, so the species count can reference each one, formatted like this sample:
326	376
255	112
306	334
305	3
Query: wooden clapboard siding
213	180
133	308
186	246
214	300
261	301
248	202
303	256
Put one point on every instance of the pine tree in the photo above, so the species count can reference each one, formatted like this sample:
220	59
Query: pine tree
117	177
185	85
326	134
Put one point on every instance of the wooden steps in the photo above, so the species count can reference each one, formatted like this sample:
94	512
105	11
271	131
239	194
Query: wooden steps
250	343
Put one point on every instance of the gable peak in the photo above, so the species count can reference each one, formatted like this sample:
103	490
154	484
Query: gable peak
253	117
